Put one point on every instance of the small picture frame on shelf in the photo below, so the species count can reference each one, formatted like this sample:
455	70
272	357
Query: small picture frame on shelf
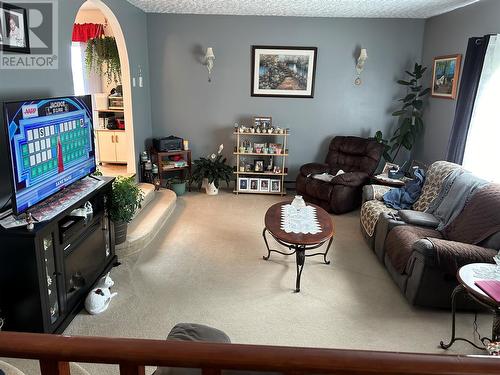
275	186
258	165
253	184
262	121
243	184
264	184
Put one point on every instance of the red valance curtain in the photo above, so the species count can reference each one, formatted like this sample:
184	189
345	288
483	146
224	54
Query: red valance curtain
83	32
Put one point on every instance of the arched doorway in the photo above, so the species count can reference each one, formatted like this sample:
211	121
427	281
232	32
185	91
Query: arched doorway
110	143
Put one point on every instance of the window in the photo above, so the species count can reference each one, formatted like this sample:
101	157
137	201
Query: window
482	149
77	53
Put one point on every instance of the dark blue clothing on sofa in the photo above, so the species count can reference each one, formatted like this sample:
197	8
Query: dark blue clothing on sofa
403	198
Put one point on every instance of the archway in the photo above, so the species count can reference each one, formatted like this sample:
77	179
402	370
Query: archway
126	80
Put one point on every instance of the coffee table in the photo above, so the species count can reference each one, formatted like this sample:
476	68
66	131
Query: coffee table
466	276
298	243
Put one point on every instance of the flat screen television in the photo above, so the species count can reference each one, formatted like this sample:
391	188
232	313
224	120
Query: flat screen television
51	146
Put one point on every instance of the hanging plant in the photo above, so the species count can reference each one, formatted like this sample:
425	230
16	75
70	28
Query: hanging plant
102	57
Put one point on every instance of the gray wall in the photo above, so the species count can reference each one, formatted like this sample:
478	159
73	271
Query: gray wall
185	104
445	35
25	84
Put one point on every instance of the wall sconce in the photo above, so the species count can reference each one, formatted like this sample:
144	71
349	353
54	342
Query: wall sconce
360	66
209	62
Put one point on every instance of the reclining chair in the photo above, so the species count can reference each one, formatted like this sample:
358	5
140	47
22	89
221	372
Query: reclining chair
357	157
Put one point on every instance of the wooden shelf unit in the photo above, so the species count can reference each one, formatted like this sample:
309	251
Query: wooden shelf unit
159	158
266	175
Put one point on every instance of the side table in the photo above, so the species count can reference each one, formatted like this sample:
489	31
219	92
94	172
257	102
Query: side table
466	276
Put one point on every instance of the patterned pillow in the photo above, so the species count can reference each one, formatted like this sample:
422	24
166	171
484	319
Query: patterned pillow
434	179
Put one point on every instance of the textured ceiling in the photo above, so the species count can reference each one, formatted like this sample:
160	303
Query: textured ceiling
306	8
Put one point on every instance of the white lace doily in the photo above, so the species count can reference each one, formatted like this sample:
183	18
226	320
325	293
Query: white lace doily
302	221
487	272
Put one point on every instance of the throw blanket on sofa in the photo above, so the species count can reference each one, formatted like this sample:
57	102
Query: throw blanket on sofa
404	197
457	189
452	255
479	219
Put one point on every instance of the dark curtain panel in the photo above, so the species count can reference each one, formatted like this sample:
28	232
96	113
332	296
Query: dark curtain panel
471	74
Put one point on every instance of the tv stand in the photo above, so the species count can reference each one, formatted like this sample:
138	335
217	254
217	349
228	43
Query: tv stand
46	273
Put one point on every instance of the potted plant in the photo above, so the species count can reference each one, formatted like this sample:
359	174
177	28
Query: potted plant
102	56
178	185
209	171
126	198
410	123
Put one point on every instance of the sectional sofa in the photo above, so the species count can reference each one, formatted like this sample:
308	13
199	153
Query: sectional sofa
422	260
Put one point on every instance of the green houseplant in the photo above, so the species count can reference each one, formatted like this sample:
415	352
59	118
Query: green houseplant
210	171
410	123
101	55
177	184
126	198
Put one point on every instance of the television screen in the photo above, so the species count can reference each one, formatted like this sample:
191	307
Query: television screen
51	145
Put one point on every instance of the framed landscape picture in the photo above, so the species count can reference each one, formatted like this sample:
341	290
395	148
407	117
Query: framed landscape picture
14	36
445	76
283	71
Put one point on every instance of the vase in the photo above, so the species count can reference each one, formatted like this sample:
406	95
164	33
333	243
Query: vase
298	202
179	189
211	189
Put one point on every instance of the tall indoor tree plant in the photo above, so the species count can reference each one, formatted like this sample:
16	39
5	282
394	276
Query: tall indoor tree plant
210	171
410	122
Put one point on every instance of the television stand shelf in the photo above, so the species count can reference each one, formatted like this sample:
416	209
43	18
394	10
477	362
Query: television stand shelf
46	273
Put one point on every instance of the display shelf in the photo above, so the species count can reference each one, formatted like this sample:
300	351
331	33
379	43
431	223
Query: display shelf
263	134
267	174
256	154
283	192
270	158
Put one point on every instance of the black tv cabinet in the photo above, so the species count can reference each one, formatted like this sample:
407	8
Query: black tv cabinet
45	274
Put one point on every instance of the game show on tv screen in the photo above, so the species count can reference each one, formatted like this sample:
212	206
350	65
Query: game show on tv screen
51	145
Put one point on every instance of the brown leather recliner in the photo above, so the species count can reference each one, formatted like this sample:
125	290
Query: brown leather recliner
357	157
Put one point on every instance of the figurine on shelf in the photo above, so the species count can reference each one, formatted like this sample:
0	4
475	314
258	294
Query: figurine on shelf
30	222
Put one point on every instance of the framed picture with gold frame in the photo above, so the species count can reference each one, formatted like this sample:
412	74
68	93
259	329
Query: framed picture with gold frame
445	76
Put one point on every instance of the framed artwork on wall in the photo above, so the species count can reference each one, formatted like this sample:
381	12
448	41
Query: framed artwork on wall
283	71
445	76
14	33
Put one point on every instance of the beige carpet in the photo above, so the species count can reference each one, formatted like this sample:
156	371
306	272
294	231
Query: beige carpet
207	267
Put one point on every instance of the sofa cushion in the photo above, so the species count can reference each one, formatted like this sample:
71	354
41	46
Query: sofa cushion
420	219
435	177
318	189
479	219
399	244
370	212
354	154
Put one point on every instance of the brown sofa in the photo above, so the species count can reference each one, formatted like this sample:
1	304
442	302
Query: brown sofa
357	157
421	260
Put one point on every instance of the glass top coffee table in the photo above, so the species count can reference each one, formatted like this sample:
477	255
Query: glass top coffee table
298	243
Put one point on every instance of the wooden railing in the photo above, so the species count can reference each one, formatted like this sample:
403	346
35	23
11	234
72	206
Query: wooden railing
55	352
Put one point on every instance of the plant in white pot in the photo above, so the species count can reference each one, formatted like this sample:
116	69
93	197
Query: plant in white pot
126	198
209	171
